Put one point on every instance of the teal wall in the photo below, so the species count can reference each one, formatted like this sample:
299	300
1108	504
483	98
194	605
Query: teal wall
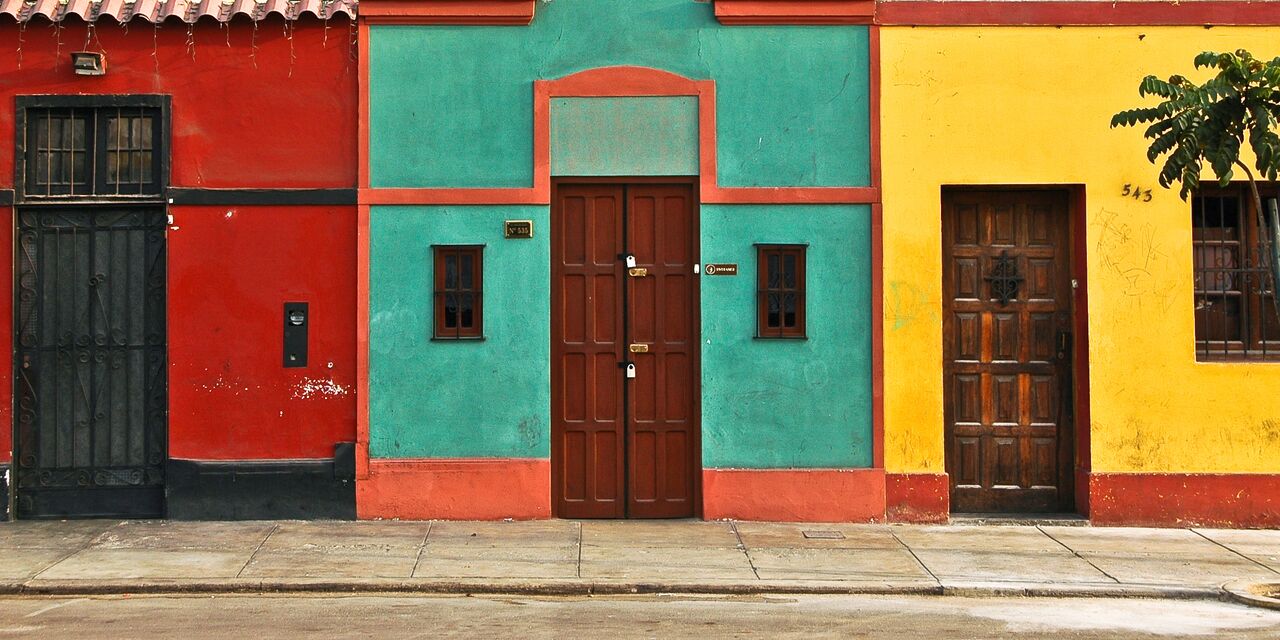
440	398
452	106
788	403
766	403
624	136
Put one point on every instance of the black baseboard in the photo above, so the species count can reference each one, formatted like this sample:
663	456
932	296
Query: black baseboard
65	503
264	489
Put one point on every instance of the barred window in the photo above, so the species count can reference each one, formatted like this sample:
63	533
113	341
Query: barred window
780	294
1235	316
458	296
90	150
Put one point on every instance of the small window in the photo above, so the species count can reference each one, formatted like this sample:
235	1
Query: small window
92	146
458	300
780	291
1235	316
59	161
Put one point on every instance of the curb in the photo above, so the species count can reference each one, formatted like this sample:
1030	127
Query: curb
1252	593
238	586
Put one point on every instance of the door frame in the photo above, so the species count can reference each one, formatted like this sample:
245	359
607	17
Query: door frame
1078	436
695	329
163	104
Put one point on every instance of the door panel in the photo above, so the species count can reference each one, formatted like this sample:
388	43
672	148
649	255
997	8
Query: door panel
1008	412
661	420
91	362
587	326
623	447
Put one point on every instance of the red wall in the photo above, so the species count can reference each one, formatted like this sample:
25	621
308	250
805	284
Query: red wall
230	397
234	126
231	268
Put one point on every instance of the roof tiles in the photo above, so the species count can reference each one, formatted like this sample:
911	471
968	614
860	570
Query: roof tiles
185	10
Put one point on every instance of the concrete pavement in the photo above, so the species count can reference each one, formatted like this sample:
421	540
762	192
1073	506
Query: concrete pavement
598	557
333	617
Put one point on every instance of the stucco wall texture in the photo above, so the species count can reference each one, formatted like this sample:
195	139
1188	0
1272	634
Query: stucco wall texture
471	101
1032	106
466	120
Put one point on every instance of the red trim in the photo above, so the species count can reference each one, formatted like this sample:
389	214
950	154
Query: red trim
392	196
456	489
877	264
362	74
1181	500
877	335
1066	13
873	82
917	497
362	262
1080	315
362	341
472	12
712	194
794	495
626	81
795	11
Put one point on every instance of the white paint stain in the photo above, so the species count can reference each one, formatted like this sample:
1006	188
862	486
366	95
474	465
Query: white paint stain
221	383
308	388
229	214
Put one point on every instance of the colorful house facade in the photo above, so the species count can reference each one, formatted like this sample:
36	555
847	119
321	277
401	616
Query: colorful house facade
179	188
805	260
1132	378
619	263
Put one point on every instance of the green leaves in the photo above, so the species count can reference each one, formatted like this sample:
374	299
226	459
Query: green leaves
1208	123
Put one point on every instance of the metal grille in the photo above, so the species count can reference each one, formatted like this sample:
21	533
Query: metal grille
93	151
1235	316
130	151
60	163
91	354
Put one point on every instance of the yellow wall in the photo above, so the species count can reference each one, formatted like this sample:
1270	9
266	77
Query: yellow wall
1032	105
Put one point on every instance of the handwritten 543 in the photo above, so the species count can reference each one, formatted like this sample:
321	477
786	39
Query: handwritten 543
1136	192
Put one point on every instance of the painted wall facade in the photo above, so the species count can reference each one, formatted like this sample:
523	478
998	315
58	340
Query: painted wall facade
1163	428
269	108
467	418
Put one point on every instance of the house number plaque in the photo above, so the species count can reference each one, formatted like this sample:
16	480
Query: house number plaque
518	228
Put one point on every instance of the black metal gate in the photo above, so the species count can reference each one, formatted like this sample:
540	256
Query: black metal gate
90	361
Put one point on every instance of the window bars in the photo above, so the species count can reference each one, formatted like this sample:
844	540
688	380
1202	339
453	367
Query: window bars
1235	317
93	151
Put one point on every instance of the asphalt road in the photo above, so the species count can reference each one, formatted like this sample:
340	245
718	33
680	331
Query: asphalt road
359	616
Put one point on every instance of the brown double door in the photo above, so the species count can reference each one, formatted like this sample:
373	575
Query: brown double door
624	296
1007	350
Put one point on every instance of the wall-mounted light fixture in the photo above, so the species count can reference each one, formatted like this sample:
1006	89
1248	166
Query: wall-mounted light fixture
89	63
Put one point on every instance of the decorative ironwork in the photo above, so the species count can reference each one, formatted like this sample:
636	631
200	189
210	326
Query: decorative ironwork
90	360
1004	278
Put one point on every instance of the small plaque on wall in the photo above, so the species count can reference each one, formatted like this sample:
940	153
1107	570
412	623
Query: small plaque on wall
730	269
518	228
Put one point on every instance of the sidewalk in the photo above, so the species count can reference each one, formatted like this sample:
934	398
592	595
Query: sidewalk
569	557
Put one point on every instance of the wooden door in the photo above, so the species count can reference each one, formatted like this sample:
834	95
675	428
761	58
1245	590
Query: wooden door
90	362
1007	350
624	447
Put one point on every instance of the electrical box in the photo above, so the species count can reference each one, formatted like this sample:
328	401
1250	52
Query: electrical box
296	320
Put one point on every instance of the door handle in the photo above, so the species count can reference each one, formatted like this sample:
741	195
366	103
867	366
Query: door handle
1063	344
638	272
